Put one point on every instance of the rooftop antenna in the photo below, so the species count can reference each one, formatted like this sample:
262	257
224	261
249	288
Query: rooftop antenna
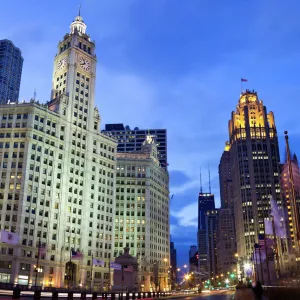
34	94
209	180
79	10
200	182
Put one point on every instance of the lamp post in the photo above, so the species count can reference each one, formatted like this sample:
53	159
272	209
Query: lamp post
247	268
238	269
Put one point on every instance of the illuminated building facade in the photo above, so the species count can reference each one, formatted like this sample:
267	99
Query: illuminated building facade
11	64
255	168
58	176
287	195
142	214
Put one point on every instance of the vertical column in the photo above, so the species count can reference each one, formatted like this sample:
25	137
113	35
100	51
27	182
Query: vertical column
15	271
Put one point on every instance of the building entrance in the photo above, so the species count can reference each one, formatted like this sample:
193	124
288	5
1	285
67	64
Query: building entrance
70	274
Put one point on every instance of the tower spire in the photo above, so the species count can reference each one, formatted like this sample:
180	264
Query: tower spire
209	187
79	10
200	182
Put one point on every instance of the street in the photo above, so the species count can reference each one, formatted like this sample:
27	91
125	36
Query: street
216	295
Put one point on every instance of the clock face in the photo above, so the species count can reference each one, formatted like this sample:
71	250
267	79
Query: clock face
61	63
84	63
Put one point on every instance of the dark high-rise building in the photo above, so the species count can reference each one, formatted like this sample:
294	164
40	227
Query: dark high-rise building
211	241
206	202
11	63
193	250
132	139
173	258
226	242
254	167
225	178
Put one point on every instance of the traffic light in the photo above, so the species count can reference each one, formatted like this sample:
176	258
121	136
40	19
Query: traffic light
232	275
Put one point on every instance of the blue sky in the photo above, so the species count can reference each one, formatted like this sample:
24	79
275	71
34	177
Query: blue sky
173	64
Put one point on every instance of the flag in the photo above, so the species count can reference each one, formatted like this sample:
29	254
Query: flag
279	227
128	268
244	80
115	266
257	246
268	226
98	262
42	251
76	255
9	237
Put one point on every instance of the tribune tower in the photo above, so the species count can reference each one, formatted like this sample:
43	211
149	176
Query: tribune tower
254	164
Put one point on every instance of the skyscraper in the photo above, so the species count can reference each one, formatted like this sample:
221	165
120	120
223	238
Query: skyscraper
287	194
11	63
142	213
226	238
192	252
226	241
211	241
173	258
206	201
254	160
132	139
57	184
225	178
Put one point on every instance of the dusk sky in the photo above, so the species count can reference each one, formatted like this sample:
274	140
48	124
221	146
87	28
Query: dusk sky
173	64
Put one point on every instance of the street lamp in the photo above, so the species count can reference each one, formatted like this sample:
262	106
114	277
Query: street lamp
226	281
247	267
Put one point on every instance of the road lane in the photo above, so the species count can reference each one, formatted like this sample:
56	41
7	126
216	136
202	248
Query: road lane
215	295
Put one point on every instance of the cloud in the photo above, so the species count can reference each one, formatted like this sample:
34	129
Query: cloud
178	177
187	216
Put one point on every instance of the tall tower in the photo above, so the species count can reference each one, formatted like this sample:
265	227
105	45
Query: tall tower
11	63
206	201
254	160
57	188
288	194
225	178
74	75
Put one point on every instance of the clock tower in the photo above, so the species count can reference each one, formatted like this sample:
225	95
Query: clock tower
73	81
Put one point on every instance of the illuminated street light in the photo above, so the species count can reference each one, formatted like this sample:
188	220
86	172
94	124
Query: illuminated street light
185	266
178	269
236	255
226	280
247	266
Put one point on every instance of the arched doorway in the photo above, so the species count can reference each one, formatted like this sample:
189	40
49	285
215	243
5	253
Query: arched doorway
70	274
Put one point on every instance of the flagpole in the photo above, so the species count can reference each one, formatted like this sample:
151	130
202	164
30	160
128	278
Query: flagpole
70	262
37	262
255	264
276	246
109	274
261	267
91	273
267	259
